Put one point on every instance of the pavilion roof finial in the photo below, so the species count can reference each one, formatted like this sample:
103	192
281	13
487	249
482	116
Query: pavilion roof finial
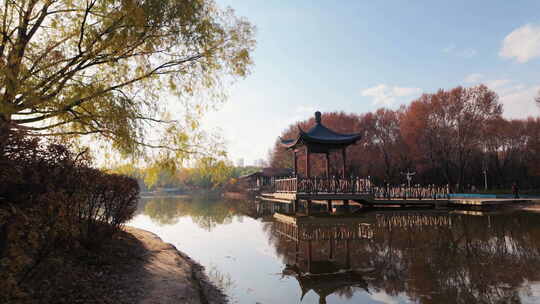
321	138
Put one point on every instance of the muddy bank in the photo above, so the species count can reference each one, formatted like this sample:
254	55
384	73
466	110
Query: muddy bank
170	276
135	266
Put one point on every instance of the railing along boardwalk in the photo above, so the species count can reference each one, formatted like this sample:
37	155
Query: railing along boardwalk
322	185
412	221
294	232
322	230
416	192
353	185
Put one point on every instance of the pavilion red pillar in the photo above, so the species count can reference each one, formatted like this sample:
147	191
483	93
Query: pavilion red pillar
348	257
344	156
327	164
331	243
310	255
307	163
297	254
295	164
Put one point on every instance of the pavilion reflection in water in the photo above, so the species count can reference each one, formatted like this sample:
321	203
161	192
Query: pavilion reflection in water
330	270
427	256
321	260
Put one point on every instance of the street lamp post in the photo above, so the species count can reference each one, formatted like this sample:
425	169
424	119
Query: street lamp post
485	167
484	171
485	178
408	176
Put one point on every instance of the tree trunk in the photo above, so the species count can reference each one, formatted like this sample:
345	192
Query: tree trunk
448	176
501	180
4	133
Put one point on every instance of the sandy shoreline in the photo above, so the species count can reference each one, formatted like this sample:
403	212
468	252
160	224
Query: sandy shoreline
170	276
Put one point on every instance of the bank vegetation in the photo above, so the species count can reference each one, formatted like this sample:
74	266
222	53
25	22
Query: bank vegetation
53	204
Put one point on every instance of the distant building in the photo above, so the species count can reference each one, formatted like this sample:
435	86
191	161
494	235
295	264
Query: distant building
258	180
240	162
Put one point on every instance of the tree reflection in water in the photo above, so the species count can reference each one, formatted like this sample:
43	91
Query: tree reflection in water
222	280
206	213
432	257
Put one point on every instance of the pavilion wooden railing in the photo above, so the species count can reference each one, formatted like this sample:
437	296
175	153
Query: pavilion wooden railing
323	232
416	192
286	185
322	185
315	185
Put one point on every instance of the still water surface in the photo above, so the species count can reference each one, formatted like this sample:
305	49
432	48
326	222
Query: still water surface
377	257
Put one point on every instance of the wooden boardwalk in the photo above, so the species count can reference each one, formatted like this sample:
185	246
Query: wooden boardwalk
334	192
490	202
368	200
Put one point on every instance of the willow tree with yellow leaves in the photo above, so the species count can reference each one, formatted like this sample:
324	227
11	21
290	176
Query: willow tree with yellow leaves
112	69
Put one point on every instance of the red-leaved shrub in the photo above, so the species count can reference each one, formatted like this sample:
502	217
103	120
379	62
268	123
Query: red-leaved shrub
52	199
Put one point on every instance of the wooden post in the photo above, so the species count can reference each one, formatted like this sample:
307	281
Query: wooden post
331	243
295	168
295	206
344	156
309	255
329	205
297	253
308	207
346	205
348	257
307	162
327	164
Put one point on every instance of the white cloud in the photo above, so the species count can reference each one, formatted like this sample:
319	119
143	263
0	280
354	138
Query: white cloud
523	43
401	92
477	78
517	98
387	95
497	83
518	101
474	78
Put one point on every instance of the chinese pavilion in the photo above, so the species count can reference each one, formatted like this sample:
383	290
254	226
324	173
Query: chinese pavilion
320	139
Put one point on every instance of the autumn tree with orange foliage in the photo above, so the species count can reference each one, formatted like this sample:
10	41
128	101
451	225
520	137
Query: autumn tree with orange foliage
383	135
448	126
532	139
504	145
449	137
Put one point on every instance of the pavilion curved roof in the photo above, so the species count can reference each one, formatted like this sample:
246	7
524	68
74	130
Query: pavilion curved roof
319	134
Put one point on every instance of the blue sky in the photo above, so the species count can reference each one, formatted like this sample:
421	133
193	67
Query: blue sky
357	56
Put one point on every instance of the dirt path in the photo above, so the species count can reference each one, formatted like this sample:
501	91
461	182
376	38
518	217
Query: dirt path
170	276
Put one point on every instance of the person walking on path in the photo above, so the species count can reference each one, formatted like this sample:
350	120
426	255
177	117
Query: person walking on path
515	190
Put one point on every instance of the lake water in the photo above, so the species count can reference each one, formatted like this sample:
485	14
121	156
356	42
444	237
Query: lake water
377	257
